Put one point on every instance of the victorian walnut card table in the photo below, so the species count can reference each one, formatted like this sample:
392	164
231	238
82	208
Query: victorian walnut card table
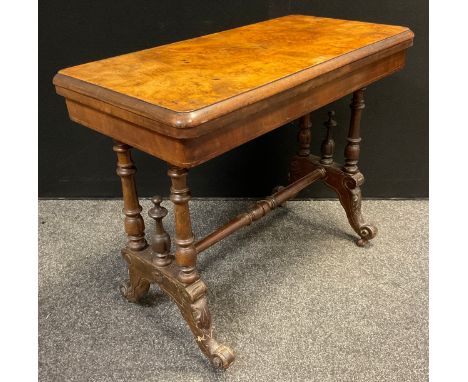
193	100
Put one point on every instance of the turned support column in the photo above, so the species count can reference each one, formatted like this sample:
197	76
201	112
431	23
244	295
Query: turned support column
160	241
303	152
186	255
328	144
352	148
134	225
304	136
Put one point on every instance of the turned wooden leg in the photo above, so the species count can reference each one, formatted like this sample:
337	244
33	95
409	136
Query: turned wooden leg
352	148
186	255
136	287
345	180
190	298
154	264
350	194
134	224
301	159
328	144
304	136
188	290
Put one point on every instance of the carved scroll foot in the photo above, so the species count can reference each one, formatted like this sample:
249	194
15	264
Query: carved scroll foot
193	305
190	298
349	192
135	288
347	186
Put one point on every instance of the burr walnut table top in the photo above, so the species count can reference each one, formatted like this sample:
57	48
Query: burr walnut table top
178	90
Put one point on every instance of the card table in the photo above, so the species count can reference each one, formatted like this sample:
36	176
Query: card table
191	101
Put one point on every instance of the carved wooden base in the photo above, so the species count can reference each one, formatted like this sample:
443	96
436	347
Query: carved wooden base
135	288
347	186
190	298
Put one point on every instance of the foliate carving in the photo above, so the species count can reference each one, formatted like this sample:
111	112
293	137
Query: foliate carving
191	300
348	188
196	290
350	197
198	317
193	305
201	315
352	183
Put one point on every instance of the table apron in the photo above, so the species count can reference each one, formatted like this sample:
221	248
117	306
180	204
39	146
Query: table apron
234	129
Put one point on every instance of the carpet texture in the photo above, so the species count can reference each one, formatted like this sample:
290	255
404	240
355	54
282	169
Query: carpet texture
292	295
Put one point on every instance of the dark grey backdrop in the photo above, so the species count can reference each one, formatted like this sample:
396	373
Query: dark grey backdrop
77	162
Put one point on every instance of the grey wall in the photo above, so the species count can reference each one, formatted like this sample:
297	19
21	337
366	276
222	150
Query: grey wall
77	162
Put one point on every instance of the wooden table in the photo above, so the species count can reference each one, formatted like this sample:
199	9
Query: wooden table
191	101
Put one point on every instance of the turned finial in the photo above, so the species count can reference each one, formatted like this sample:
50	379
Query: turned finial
157	212
328	144
161	242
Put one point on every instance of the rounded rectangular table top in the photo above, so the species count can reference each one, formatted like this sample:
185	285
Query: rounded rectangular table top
189	82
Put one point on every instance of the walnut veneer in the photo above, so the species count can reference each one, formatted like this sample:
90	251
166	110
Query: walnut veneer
190	101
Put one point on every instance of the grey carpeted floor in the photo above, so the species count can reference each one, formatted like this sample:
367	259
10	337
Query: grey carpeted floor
294	297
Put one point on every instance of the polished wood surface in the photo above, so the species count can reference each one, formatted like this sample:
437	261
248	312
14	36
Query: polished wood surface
185	255
327	149
190	147
231	69
193	74
134	224
352	148
160	241
345	180
290	66
188	102
304	136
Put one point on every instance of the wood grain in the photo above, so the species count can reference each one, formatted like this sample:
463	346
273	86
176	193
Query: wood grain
193	81
189	147
191	101
295	80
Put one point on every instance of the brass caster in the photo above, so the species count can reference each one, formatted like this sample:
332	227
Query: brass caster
222	357
367	232
362	242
